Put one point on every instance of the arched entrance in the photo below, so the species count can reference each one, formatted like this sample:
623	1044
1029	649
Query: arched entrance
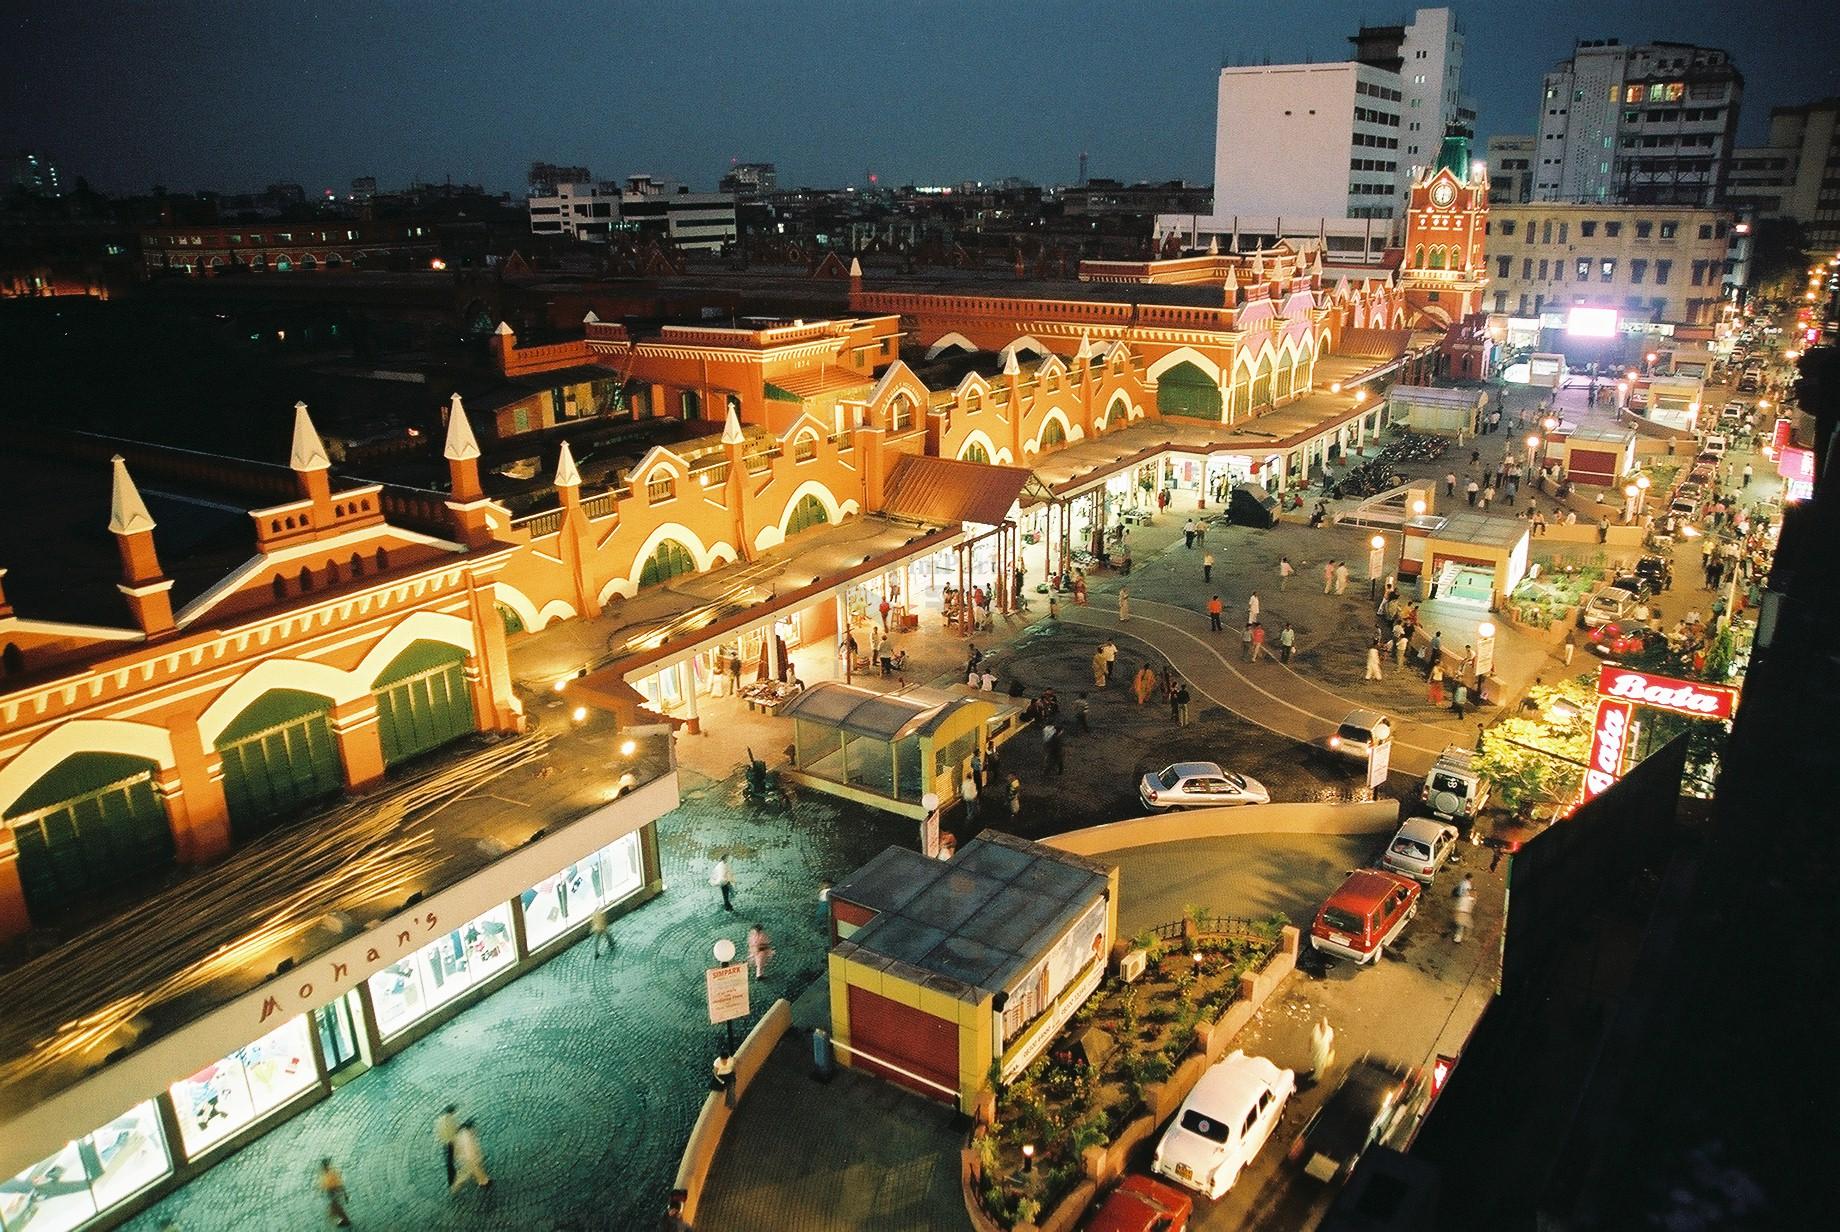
1053	435
93	821
809	512
975	452
422	700
1188	391
672	559
279	756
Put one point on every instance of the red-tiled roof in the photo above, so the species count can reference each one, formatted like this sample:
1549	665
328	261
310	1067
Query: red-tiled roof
1374	343
943	491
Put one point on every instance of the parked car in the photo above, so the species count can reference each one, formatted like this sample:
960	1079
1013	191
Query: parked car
1637	585
1658	570
1455	787
1365	915
1420	847
1143	1204
1617	640
1608	606
1359	733
1714	445
1198	784
1358	1114
1223	1123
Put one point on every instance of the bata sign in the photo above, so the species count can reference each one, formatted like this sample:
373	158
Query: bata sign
1609	737
1688	697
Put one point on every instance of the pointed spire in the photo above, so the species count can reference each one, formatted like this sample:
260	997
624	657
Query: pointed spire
461	444
731	431
1231	285
566	474
1084	354
127	511
1341	287
503	330
590	319
1258	266
855	268
1213	245
308	453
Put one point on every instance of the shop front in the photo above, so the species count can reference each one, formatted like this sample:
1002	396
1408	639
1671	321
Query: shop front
311	1027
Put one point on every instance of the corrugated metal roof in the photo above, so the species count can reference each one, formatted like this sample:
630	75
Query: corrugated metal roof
1374	343
943	491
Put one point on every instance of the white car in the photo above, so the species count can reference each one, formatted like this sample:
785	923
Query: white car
1359	733
1198	784
1223	1123
1608	606
1420	848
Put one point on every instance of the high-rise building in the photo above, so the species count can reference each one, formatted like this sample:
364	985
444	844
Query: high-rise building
1797	173
1650	124
1511	169
364	188
1427	53
30	172
546	178
750	181
702	222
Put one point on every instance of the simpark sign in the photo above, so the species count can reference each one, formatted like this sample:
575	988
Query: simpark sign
1688	697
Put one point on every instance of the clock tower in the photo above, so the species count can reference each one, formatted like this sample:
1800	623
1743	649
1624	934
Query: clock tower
1447	214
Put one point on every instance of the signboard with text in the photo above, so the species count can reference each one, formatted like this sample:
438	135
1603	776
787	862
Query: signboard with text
1379	761
727	987
1689	697
1609	740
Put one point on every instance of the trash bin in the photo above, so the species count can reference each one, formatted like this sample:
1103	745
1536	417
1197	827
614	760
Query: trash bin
1252	505
823	1062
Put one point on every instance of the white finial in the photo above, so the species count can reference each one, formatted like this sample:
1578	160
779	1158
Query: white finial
590	319
1258	266
1010	366
504	331
1084	354
308	453
566	474
461	444
855	268
1213	245
731	431
1232	282
127	511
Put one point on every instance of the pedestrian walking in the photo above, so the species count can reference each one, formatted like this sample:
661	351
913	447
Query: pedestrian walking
1488	494
723	878
1124	605
332	1188
760	946
1460	698
1258	641
1182	700
1747	474
446	1126
1145	683
1341	577
1252	608
1450	483
1098	668
1245	643
1328	576
1215	608
1188	533
1399	646
1207	566
1472	491
1287	642
1436	653
824	904
1464	906
1057	753
1322	1050
968	792
1110	649
1175	709
1373	660
1082	711
1054	608
469	1158
1603	530
597	929
1434	687
1284	572
1466	670
1015	797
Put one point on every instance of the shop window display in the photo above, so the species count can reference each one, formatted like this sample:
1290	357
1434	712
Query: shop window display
257	1078
555	903
405	991
89	1176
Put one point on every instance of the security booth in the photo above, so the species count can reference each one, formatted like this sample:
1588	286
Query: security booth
1252	505
1469	559
944	969
891	750
1595	457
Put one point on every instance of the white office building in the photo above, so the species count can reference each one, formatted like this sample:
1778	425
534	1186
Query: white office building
576	211
698	222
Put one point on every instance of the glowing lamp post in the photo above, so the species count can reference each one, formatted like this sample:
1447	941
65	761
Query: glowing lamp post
1485	648
1641	493
1376	557
1629	501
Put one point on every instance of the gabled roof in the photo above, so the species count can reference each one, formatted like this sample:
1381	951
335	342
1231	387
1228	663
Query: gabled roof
944	491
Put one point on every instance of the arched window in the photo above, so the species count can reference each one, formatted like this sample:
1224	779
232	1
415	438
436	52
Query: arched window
357	565
900	413
1418	257
12	659
1052	434
279	586
974	452
93	821
672	559
1437	258
809	512
692	404
306	579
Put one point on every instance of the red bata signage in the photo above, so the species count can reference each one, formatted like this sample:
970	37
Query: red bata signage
1609	738
1688	697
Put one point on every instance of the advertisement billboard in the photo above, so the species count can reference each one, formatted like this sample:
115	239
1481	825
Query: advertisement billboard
1609	741
1688	697
1591	323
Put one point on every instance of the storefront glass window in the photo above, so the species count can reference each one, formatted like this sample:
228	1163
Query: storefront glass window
555	903
405	991
220	1099
87	1177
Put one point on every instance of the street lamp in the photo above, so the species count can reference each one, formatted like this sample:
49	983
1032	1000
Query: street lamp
1418	507
1629	502
1485	649
1376	557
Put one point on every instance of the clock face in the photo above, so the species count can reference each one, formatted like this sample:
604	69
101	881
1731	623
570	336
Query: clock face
1442	194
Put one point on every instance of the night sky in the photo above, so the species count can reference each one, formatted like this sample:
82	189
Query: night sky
236	95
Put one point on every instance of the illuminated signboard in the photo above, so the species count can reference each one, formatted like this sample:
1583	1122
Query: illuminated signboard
1688	697
1795	464
1591	323
1609	739
1779	436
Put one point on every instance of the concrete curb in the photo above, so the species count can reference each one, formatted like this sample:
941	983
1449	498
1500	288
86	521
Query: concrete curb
706	1137
1240	820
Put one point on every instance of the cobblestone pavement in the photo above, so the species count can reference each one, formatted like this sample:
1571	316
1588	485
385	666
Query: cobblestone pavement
584	1077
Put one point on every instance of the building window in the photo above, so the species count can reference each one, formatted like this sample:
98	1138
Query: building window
1613	229
1587	228
1638	270
1669	229
570	897
1606	271
1562	229
90	1175
1662	269
407	991
1546	232
1507	226
661	487
1501	266
1527	268
1644	229
254	1080
1584	269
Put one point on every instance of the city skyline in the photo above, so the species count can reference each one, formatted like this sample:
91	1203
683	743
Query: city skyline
476	109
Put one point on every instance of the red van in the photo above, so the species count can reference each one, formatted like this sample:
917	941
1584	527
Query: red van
1365	915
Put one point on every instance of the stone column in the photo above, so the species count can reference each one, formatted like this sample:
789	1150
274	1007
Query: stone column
354	726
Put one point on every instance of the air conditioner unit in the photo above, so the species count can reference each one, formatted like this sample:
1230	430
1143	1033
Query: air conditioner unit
1132	965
